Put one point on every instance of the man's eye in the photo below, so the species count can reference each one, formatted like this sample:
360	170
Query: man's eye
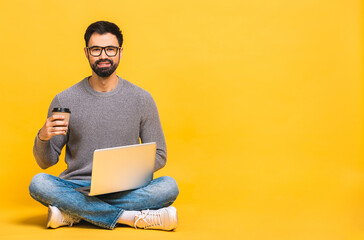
95	49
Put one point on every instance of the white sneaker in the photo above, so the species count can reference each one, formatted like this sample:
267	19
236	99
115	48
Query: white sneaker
163	219
56	218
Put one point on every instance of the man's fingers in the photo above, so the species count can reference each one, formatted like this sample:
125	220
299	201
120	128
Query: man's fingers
58	123
59	133
55	125
57	129
54	117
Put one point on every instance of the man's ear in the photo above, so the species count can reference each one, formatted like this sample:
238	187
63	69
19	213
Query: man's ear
120	53
86	52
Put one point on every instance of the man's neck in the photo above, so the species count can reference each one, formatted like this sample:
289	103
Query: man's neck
101	84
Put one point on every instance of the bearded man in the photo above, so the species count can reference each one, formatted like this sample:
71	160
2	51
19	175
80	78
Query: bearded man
107	111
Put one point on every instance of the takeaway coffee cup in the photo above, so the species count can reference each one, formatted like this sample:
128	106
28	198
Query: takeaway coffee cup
62	111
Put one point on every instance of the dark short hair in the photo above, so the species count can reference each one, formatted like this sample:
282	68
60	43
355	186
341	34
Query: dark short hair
102	27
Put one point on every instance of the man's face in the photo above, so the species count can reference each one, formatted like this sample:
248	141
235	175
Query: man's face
103	65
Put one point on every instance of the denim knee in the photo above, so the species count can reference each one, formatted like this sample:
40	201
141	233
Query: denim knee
39	183
170	188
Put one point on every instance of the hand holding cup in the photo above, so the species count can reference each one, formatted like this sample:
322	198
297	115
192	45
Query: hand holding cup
57	124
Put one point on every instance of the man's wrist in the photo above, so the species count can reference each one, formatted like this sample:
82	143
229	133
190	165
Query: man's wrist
40	138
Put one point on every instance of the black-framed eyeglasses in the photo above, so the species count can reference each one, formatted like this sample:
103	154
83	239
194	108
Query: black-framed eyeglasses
110	51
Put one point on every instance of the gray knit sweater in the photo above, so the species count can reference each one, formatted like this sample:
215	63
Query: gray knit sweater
101	120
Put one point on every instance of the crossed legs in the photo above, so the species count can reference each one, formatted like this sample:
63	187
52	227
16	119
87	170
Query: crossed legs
103	210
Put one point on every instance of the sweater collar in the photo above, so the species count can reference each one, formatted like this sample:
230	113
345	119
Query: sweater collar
102	94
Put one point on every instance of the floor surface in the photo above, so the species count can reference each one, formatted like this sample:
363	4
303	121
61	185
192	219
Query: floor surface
28	222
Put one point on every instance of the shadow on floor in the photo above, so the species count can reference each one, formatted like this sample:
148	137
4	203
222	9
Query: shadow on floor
41	222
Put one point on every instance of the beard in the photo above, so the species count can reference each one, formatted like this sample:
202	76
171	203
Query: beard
104	71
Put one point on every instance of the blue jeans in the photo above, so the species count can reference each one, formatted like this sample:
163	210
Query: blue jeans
103	210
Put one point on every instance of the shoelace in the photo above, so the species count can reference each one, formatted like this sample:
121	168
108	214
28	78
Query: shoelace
69	220
151	219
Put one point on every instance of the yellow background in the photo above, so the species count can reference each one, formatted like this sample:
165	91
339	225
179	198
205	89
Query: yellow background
260	102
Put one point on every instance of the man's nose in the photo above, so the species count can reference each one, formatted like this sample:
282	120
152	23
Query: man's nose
103	53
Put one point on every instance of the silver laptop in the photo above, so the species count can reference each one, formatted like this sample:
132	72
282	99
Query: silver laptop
121	168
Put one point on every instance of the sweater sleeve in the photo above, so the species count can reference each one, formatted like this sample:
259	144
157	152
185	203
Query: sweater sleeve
47	153
151	130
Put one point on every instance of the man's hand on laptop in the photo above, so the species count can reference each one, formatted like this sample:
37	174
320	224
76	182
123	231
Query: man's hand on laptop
54	125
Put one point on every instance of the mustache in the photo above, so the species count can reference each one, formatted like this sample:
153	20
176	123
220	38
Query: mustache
104	60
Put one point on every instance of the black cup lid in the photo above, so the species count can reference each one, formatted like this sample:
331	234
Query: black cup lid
67	110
